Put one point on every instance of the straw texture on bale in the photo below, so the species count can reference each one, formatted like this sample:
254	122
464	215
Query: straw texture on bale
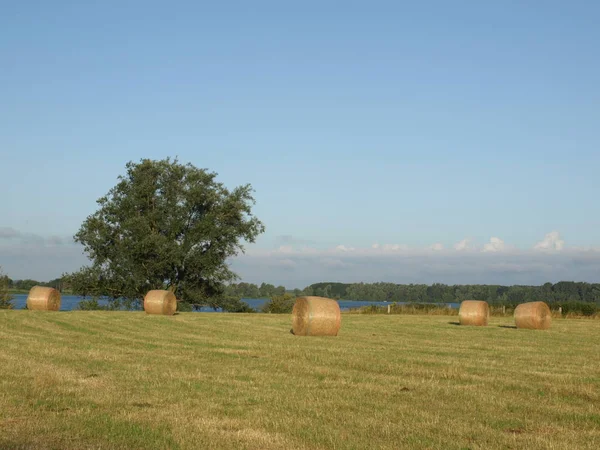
533	315
316	316
160	302
474	312
43	299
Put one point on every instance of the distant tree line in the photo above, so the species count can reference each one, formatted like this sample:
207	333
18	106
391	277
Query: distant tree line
26	285
564	291
561	292
249	290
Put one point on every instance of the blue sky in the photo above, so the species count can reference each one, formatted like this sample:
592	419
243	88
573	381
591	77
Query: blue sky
358	123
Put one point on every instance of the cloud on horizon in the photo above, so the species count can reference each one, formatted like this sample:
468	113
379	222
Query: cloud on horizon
12	236
493	263
298	264
551	241
42	258
288	239
495	245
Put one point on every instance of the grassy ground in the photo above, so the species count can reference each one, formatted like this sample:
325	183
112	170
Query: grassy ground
82	380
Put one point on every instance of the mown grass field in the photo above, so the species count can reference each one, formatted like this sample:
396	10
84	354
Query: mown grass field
83	380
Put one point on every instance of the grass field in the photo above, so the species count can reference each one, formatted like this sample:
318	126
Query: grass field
83	380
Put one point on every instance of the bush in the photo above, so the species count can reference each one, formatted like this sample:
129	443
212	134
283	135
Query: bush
280	304
576	308
411	308
236	305
90	305
93	305
5	300
184	307
5	297
127	303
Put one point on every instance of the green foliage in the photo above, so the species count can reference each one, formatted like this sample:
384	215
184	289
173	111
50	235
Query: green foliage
5	297
242	290
564	291
227	303
327	289
165	225
280	304
26	285
235	304
249	290
184	307
113	305
90	305
93	305
577	308
267	290
413	308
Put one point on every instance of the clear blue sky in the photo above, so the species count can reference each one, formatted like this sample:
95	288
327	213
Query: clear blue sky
357	123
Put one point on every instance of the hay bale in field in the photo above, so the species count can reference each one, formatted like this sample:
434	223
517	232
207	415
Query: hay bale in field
316	316
43	299
533	315
160	302
474	312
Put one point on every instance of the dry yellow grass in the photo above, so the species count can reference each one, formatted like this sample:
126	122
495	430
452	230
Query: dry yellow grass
83	380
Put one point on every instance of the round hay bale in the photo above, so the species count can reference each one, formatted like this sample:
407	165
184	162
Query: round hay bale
474	312
533	315
160	302
316	316
43	299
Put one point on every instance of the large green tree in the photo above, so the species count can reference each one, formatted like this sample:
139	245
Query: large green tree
165	225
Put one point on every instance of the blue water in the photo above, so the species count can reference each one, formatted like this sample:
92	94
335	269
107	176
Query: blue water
70	302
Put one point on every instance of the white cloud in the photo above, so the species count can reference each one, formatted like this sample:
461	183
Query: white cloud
438	247
394	247
288	239
465	244
40	262
334	263
9	233
495	245
12	236
551	241
496	262
420	266
288	263
299	265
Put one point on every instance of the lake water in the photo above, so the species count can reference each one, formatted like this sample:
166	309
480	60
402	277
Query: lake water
70	302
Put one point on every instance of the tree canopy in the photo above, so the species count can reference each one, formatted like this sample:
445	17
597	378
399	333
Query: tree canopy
563	291
165	225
